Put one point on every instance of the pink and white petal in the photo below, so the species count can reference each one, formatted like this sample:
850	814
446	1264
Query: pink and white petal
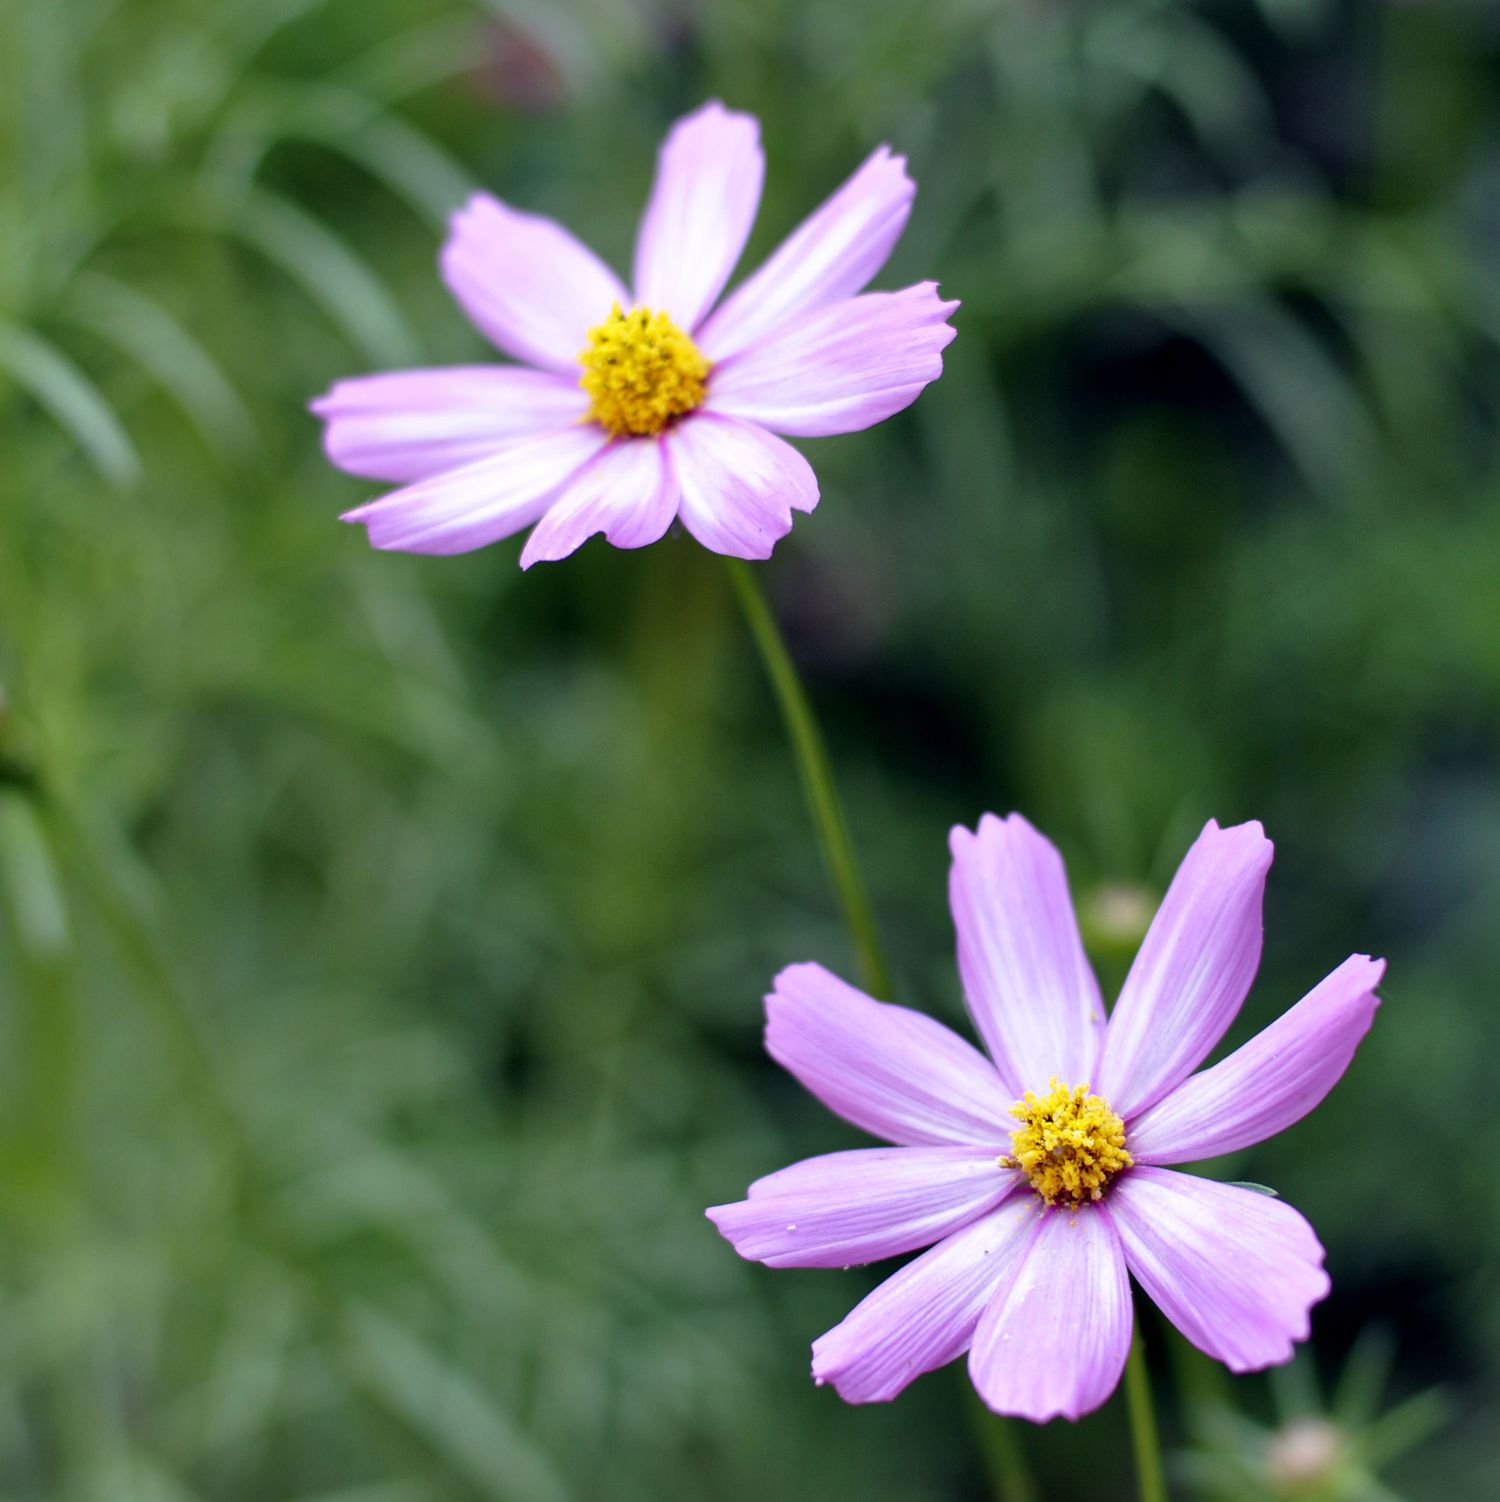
709	174
924	1316
898	1074
1027	981
740	484
467	508
853	1207
1273	1080
526	283
831	255
628	492
1193	971
1053	1342
408	424
839	369
1236	1271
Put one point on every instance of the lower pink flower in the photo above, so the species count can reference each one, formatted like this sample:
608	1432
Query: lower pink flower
1039	1177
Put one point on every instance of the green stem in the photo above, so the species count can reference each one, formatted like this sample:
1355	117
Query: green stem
817	777
1143	1435
1000	1446
999	1440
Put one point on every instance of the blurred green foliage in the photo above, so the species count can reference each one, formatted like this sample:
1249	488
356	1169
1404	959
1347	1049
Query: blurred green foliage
381	937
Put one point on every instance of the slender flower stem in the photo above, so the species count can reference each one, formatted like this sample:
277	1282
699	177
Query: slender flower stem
817	777
1000	1448
1144	1439
999	1440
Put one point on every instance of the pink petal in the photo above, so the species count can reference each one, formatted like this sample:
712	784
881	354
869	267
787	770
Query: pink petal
846	1208
896	1073
526	283
1193	970
839	369
924	1316
1234	1270
830	256
1053	1342
628	493
1027	981
467	508
1274	1080
708	180
409	424
740	484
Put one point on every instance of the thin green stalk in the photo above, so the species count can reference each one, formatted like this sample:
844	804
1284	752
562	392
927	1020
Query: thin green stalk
998	1439
1000	1446
817	777
1143	1435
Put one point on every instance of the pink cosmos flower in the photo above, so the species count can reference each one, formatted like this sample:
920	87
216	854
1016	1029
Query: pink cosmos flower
634	408
1039	1176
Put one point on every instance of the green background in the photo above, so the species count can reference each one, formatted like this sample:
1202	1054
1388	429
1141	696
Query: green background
382	937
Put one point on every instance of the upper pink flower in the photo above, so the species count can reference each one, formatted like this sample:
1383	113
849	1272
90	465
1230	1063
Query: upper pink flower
1039	1206
630	410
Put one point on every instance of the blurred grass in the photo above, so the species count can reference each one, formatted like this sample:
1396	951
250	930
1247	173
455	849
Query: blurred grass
381	938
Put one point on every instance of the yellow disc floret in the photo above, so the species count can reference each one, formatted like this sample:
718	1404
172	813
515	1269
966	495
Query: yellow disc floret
1070	1144
640	371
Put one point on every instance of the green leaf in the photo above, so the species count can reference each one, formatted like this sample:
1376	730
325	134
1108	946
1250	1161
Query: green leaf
73	401
143	330
408	161
329	271
459	1420
1305	398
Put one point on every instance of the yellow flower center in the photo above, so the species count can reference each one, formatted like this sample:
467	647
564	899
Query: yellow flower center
640	371
1070	1144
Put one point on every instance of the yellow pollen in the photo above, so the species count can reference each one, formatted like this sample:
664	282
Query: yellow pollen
1070	1144
640	371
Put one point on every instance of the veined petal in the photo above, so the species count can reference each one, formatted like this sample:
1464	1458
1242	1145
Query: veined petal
527	284
467	508
740	484
1026	979
708	180
1273	1080
1053	1342
628	492
841	368
924	1316
852	1207
1193	970
408	424
898	1074
1235	1271
831	255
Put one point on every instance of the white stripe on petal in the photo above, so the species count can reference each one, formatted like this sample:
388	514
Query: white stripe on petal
897	1073
740	484
860	1206
842	368
1026	979
1273	1080
831	255
628	492
1053	1342
924	1316
526	283
1193	971
467	508
1236	1271
409	424
708	180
